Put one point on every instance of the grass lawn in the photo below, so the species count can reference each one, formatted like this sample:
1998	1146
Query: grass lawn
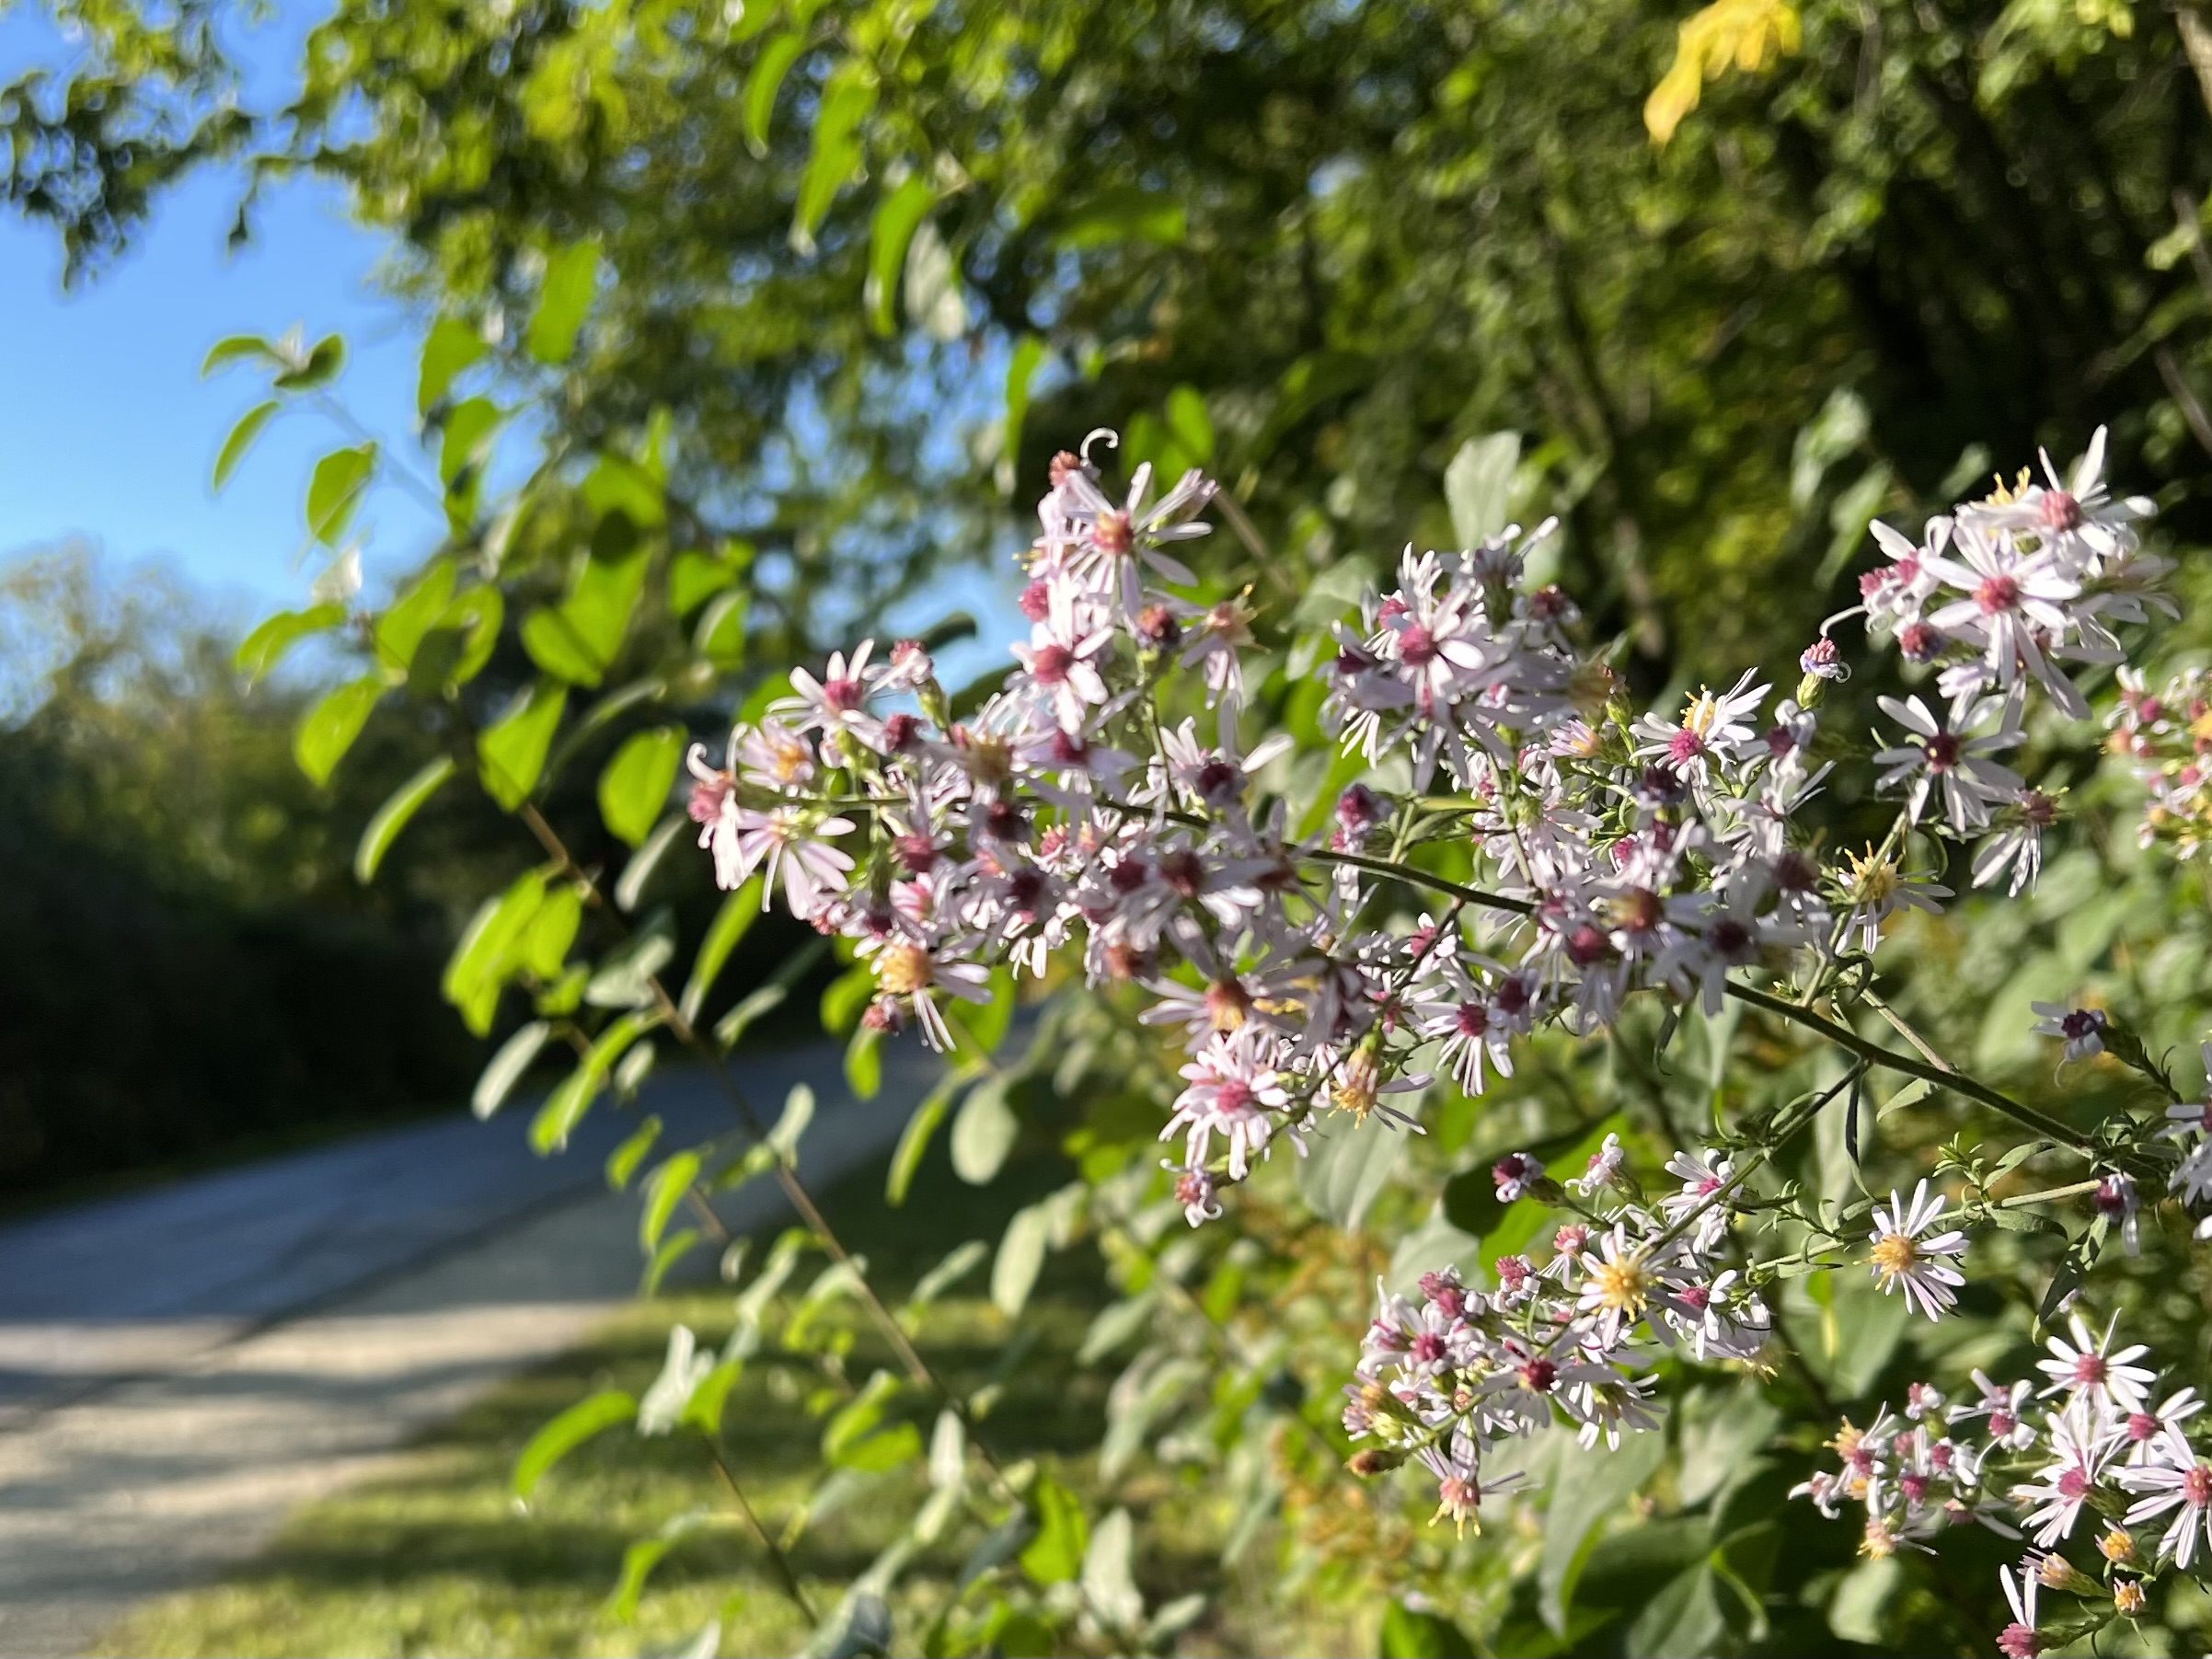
435	1558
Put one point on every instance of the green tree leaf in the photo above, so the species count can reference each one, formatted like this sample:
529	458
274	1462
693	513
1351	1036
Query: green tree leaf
1126	213
319	367
1347	1163
634	787
847	100
331	727
1055	1555
1478	485
452	345
334	490
263	648
767	79
914	1140
465	446
889	234
241	440
664	1189
512	755
579	1423
393	816
238	348
506	1067
563	300
400	629
1021	1258
983	1132
730	924
622	1161
1408	1634
864	1064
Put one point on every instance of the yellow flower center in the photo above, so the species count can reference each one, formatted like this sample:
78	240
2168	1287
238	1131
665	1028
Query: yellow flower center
1621	1286
903	969
790	761
1873	882
1894	1253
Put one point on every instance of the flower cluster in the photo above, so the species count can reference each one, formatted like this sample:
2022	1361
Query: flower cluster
1445	1378
1611	853
2094	1447
2167	737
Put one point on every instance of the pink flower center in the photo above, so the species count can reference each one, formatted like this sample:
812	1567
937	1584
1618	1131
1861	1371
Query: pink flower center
1050	663
1036	602
2141	1426
1472	1020
2074	1483
2019	1642
1232	1095
1217	779
1428	1348
1942	752
1540	1374
1685	746
2061	510
2196	1485
1997	593
1114	535
843	696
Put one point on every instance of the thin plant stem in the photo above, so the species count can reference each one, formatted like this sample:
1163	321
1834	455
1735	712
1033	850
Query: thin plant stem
785	1577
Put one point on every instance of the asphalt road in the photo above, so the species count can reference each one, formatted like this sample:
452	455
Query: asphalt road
181	1368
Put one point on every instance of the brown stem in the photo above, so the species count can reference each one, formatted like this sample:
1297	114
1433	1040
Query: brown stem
786	1578
917	1368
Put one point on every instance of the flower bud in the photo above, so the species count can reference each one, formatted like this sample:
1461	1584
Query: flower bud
2117	1546
2128	1599
1372	1460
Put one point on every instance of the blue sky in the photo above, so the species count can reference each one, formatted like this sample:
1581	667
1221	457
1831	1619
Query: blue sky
108	433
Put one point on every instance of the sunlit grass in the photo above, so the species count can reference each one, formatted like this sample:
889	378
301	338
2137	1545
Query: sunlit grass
435	1558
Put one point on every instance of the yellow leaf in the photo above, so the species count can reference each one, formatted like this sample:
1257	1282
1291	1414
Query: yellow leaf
1750	34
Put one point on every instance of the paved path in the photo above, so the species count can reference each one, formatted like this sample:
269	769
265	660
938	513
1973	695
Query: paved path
179	1369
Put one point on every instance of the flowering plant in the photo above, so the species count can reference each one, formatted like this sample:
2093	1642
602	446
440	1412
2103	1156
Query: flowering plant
1394	968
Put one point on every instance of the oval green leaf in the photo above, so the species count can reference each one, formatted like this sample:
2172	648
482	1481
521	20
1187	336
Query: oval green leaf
393	815
567	1432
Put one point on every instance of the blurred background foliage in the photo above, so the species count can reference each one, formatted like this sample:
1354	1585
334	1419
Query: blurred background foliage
797	300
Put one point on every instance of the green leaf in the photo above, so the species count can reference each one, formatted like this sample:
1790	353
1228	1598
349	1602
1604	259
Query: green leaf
466	445
958	1264
514	1058
238	348
761	87
1193	427
864	1064
674	1249
848	98
845	997
622	1161
735	1024
1029	353
634	787
1055	1555
704	1410
889	234
1108	1586
335	489
694	578
241	440
453	345
914	1140
331	727
1021	1258
1125	213
563	300
1479	486
394	814
984	1133
730	924
566	1433
664	1189
564	1109
512	754
556	646
262	649
1601	1486
542	946
720	635
320	366
624	977
797	1115
479	613
478	965
399	630
1346	1165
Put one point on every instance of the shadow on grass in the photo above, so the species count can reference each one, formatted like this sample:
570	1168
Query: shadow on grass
438	1557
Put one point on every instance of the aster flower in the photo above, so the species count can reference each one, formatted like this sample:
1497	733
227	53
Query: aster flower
2081	1450
2091	1366
2174	1480
2019	1640
1713	728
1233	1090
1936	756
2082	1029
1904	1257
